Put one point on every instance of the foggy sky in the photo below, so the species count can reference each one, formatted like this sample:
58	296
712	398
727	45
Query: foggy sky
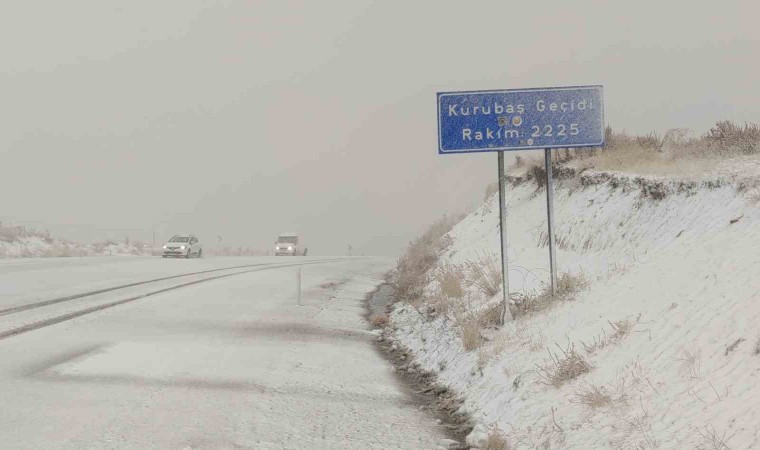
244	119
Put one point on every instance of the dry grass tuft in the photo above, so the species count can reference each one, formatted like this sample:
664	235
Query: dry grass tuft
533	339
469	329
471	322
641	425
485	274
487	353
537	173
595	396
411	275
440	303
620	329
691	363
379	320
713	440
496	441
569	283
450	279
491	316
567	286
651	141
561	367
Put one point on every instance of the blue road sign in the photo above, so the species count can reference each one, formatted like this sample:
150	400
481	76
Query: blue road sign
520	119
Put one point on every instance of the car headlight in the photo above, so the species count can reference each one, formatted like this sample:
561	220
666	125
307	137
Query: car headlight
290	248
183	247
164	247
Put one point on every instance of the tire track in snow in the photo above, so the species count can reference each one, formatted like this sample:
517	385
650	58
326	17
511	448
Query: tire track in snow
62	318
17	309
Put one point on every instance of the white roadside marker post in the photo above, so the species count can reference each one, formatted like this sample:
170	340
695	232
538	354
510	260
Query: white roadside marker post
506	314
550	218
298	285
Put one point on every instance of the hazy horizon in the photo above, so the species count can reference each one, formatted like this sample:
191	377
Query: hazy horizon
244	120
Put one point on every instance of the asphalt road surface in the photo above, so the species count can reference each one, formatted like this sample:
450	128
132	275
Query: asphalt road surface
146	353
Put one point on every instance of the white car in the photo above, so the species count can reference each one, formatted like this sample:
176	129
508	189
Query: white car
286	245
183	246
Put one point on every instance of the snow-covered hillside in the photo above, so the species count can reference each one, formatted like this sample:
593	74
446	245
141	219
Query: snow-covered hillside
665	336
17	242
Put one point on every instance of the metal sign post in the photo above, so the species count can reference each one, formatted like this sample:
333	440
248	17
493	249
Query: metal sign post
550	218
506	314
521	119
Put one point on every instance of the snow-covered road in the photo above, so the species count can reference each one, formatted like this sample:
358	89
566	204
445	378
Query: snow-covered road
228	363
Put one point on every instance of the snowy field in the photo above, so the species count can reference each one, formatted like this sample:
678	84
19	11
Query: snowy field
668	326
16	242
224	364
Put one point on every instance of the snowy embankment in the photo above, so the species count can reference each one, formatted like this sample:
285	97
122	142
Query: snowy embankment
16	242
658	350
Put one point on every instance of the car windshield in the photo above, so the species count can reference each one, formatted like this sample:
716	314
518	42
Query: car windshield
179	239
287	240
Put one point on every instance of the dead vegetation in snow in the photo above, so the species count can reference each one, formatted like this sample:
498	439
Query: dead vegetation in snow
26	242
379	320
412	268
496	441
595	396
676	152
713	439
691	363
614	369
485	273
568	285
472	320
451	280
620	329
562	366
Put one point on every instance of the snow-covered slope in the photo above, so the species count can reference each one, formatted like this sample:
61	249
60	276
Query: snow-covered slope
16	242
675	263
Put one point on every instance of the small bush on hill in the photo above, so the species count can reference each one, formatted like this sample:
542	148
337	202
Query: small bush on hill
620	329
651	141
496	441
379	321
595	396
450	280
12	234
411	275
727	137
485	274
562	367
654	153
469	329
567	286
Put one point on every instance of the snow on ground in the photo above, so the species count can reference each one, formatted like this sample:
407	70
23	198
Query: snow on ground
33	279
680	270
227	364
15	242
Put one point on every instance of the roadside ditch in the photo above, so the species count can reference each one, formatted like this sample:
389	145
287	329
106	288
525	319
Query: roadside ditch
420	384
